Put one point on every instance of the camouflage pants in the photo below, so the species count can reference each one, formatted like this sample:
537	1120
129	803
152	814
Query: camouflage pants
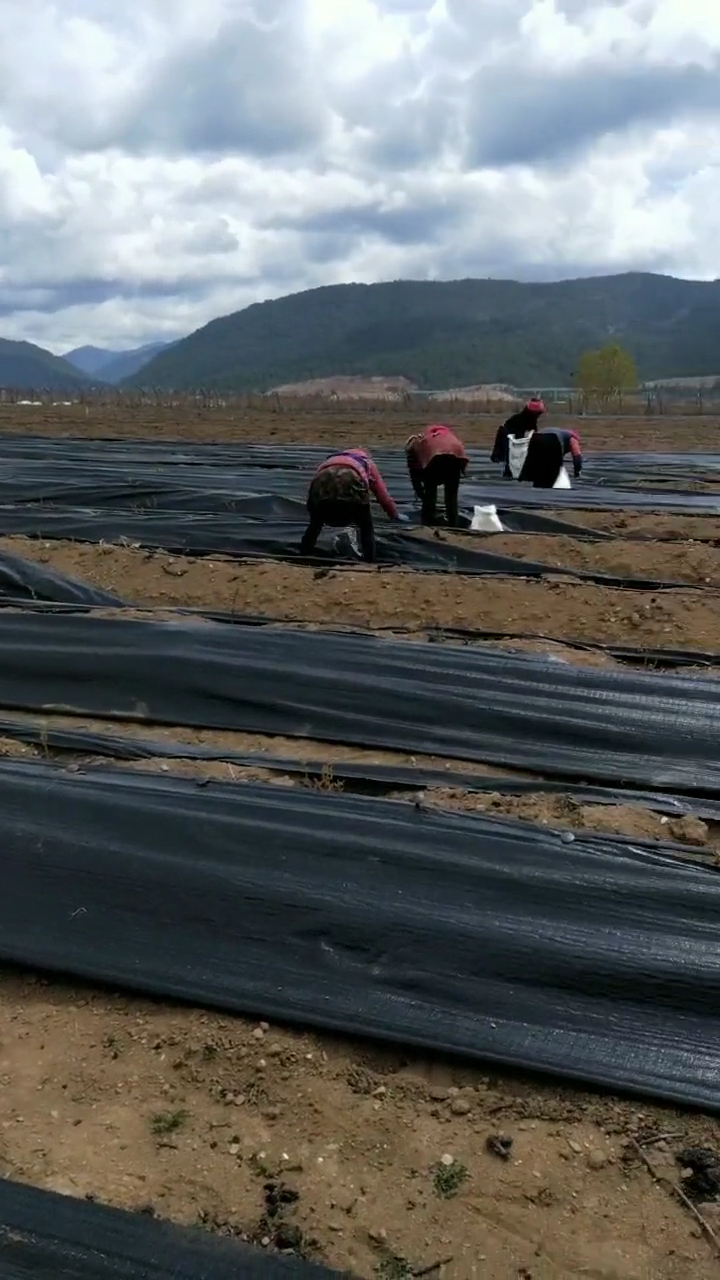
338	484
339	497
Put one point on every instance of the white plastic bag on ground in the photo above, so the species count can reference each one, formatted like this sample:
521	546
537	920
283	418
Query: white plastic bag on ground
563	480
486	520
347	543
517	453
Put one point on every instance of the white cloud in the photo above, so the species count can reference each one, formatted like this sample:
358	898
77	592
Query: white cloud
164	163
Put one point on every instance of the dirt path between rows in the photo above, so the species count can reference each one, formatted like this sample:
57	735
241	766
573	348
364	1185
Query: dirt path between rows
556	810
387	598
648	524
672	561
192	1116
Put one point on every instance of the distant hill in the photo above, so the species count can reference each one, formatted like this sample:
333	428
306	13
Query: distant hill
350	388
455	333
126	364
23	365
114	366
89	360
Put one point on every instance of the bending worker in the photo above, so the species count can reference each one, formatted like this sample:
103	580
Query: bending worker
570	441
545	455
518	425
339	496
436	456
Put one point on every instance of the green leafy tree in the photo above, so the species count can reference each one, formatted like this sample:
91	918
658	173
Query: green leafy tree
605	374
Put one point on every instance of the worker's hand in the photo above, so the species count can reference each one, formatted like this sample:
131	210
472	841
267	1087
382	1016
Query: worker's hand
402	518
577	466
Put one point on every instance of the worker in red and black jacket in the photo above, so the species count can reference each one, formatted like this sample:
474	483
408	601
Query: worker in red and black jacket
436	456
339	496
519	425
570	441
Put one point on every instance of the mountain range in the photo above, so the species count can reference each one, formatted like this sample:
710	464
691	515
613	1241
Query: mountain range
434	334
23	365
103	365
451	334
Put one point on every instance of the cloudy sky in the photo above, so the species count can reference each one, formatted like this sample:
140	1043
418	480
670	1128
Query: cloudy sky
163	162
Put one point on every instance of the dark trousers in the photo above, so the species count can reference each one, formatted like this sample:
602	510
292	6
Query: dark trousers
444	470
339	514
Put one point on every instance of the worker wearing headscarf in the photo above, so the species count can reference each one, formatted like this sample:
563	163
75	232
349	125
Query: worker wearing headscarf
339	496
518	425
435	457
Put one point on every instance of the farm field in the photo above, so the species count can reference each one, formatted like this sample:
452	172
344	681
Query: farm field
322	422
365	1154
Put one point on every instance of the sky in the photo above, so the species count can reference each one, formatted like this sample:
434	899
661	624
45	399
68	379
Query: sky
166	162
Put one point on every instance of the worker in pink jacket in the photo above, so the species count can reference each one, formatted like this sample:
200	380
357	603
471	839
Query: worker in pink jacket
436	456
339	496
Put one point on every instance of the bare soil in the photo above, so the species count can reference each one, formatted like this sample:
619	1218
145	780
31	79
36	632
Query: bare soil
388	598
280	421
190	1115
621	557
647	524
564	812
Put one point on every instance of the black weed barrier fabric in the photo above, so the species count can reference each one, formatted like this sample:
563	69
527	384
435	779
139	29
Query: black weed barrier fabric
365	778
22	580
44	1236
245	500
647	657
184	533
495	941
591	497
633	655
458	702
80	472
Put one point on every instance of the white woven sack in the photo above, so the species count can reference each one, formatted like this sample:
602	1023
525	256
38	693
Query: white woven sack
486	520
517	453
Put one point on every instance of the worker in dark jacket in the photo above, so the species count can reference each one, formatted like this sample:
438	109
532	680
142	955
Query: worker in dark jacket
570	441
546	453
436	456
518	425
339	496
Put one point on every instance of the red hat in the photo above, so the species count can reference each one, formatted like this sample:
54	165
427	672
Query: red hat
535	406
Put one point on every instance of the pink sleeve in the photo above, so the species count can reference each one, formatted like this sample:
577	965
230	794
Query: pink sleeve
377	485
575	445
